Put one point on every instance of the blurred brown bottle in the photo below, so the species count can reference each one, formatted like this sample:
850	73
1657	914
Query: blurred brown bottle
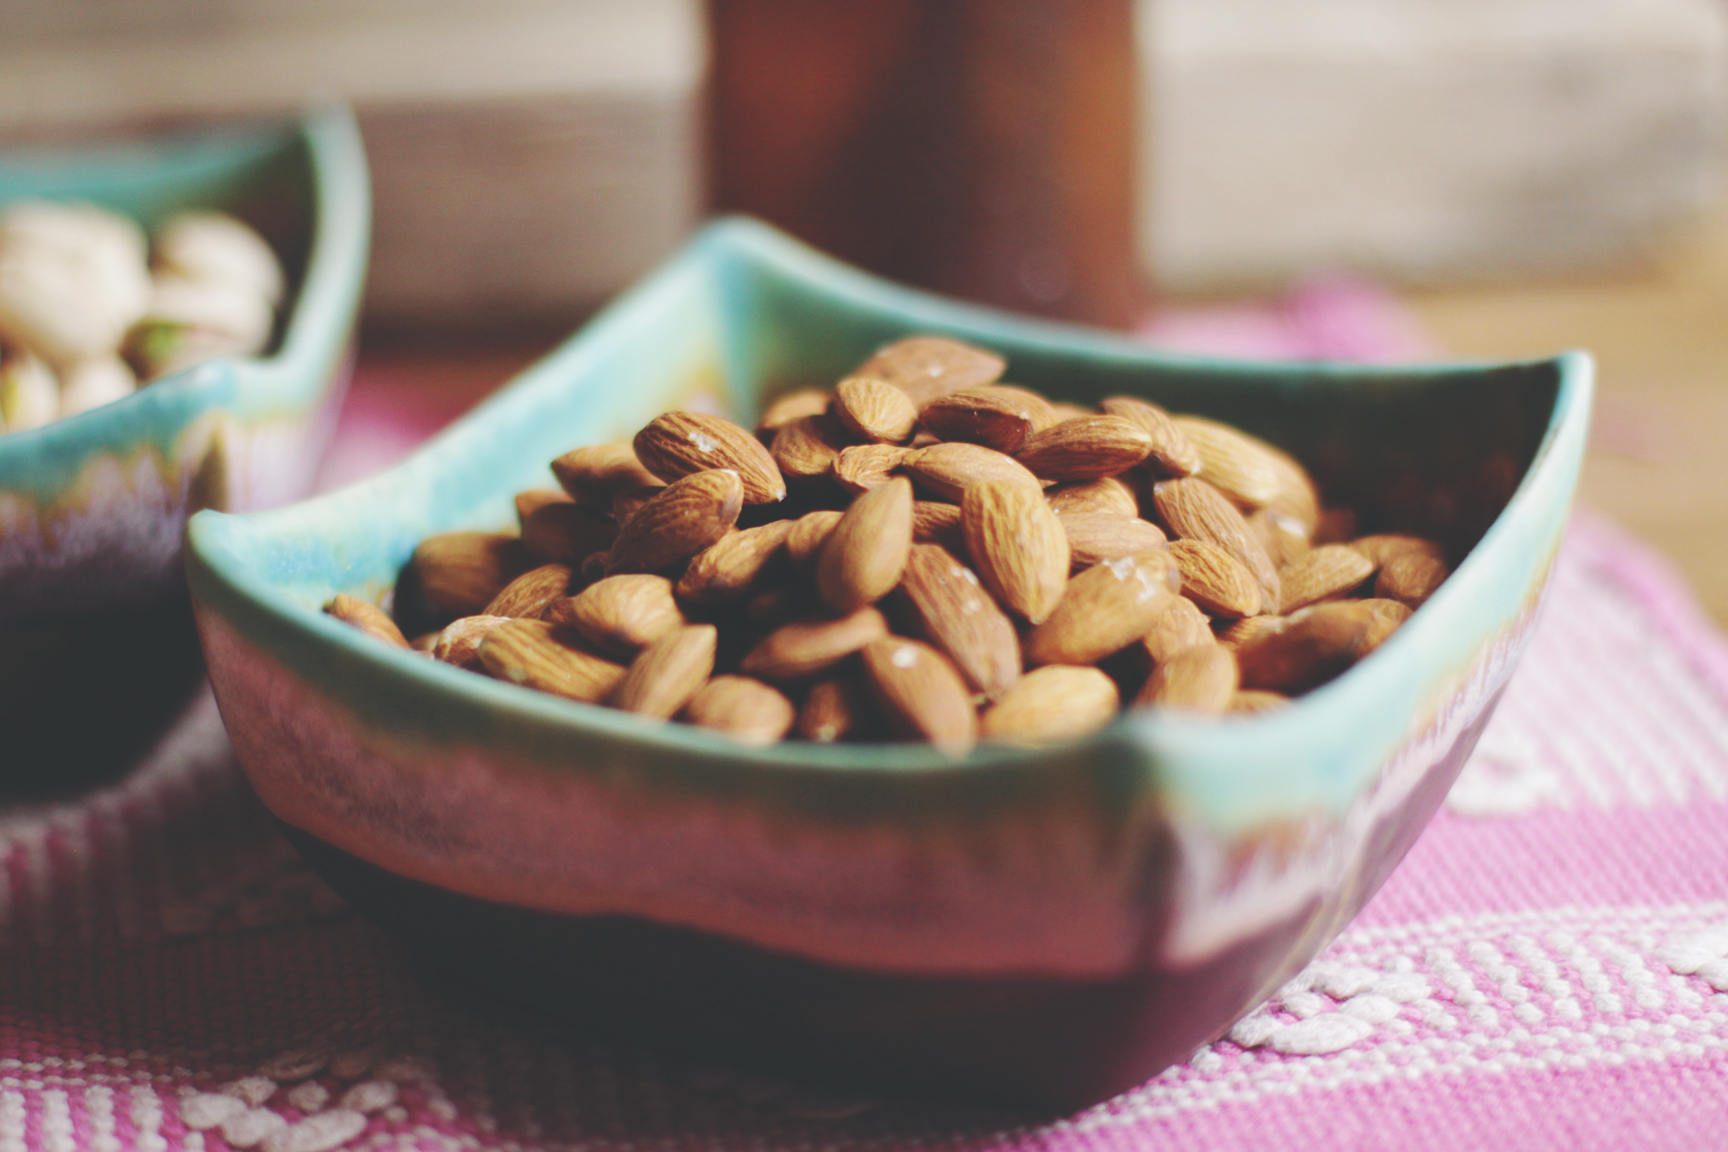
984	148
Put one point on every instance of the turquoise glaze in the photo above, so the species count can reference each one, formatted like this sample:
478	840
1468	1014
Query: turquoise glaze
92	508
1192	865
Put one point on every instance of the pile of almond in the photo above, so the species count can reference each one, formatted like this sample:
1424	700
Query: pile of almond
923	553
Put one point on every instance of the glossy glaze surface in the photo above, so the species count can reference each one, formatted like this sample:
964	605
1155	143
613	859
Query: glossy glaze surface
1167	872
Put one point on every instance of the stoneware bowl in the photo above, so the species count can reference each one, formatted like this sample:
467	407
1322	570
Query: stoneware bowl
1045	926
93	508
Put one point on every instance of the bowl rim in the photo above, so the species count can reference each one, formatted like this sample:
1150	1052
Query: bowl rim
222	580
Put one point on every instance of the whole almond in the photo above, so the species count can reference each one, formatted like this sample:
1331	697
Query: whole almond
561	532
1232	461
595	473
531	593
1085	448
1105	609
959	617
1095	536
875	409
1297	499
996	417
1410	577
835	708
1055	702
1313	645
1383	618
1179	627
733	565
457	573
806	647
1105	494
1216	580
369	618
459	642
621	614
687	516
862	558
948	469
861	467
1381	548
679	444
1017	546
804	449
1171	453
1195	510
1202	679
747	710
1249	630
931	366
937	522
794	405
1327	571
525	652
668	672
805	539
921	694
1284	537
528	501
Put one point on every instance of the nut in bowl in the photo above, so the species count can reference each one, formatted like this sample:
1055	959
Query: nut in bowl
1051	922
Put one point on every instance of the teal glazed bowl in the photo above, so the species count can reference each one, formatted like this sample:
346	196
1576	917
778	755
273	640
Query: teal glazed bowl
1042	926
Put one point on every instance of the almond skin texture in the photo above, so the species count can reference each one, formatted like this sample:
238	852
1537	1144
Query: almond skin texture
875	410
679	444
1085	448
862	558
1107	494
792	406
927	367
805	539
937	522
921	694
593	474
1216	580
805	448
959	617
563	532
524	652
1379	549
668	672
1311	647
1195	510
732	566
747	710
1056	702
1017	546
1410	577
1233	462
1105	609
1179	627
686	517
998	418
804	648
1094	536
1172	454
369	618
862	467
1327	571
531	593
621	614
948	470
1202	680
1383	618
1283	537
459	643
456	574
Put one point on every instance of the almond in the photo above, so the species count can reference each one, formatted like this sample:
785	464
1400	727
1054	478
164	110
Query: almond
1179	627
931	366
921	694
620	614
948	469
1085	448
1171	453
806	537
794	405
959	617
1328	571
1098	536
1252	701
1410	577
1232	461
804	648
524	652
1202	679
626	502
861	467
679	444
686	517
1017	546
1216	580
805	448
935	522
1105	609
534	498
996	417
459	643
1105	494
732	566
1195	510
596	473
875	410
561	532
369	618
837	707
531	593
747	710
1249	630
668	672
1313	645
1055	702
1381	548
862	558
1383	618
1283	537
457	573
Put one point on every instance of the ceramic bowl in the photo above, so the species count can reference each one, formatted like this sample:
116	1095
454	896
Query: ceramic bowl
93	508
1052	925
